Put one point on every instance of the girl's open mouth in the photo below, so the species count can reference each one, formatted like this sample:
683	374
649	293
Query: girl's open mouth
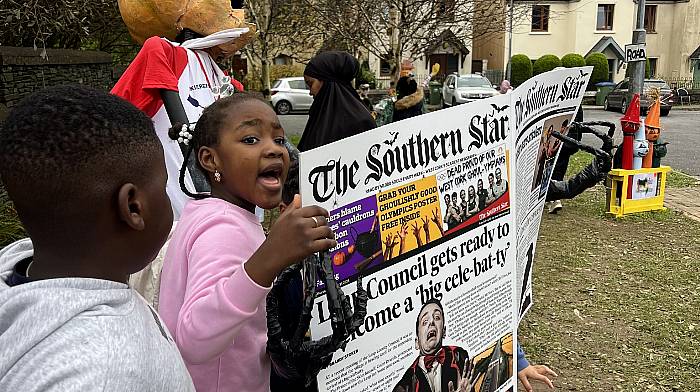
270	177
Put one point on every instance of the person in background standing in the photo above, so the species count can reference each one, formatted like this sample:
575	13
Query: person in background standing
410	99
505	87
364	97
337	111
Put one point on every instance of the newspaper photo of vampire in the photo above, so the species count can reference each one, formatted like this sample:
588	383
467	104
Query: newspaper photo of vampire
437	367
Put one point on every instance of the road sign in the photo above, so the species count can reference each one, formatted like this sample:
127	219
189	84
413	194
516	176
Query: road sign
635	52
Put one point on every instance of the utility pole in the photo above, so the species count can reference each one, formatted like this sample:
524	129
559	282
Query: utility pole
638	67
510	40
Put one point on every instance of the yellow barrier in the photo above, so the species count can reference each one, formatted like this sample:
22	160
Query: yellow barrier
640	190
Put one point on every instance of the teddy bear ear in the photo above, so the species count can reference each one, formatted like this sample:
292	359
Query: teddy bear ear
211	16
166	18
150	18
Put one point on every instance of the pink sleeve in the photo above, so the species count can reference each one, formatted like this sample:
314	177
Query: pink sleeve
220	296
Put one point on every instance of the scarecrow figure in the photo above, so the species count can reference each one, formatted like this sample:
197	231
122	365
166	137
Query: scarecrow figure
175	75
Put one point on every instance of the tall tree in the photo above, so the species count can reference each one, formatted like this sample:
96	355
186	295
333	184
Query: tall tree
281	25
396	29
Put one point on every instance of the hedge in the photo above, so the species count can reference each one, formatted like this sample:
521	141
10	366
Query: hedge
600	69
572	60
521	69
545	63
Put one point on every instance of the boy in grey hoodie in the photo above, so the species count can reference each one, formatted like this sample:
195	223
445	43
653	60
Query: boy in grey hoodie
86	172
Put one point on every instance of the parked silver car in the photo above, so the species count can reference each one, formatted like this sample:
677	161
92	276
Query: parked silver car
617	98
290	95
465	88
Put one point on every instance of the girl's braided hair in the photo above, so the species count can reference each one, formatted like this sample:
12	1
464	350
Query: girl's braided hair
206	133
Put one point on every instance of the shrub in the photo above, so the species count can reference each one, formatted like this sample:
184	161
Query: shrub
545	63
600	69
366	76
520	69
10	227
572	60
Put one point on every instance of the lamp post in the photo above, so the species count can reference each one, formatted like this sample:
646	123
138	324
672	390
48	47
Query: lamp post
638	67
510	40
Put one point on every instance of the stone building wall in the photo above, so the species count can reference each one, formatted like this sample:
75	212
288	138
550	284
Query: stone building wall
23	70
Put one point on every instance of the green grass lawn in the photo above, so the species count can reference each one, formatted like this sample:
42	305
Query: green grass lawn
617	301
674	179
294	139
678	179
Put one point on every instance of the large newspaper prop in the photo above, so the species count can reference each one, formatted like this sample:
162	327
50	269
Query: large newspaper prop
423	210
541	105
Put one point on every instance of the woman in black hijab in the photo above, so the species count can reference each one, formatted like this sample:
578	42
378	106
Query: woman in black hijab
337	111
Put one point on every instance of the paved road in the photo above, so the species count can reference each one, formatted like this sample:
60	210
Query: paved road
293	124
681	128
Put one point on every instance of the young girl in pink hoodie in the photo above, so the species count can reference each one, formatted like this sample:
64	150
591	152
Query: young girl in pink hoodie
219	266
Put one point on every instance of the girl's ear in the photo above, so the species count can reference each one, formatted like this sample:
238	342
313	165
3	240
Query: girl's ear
208	158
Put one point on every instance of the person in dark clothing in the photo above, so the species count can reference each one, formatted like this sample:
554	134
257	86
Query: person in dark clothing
481	193
364	97
563	161
463	206
451	212
472	204
337	111
410	99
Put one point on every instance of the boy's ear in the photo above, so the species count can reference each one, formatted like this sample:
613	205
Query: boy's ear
207	158
130	206
282	207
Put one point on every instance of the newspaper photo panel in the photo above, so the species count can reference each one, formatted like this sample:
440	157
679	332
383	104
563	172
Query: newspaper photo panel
541	106
422	210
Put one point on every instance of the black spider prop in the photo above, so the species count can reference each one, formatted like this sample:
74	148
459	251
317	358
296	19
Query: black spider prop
293	355
595	171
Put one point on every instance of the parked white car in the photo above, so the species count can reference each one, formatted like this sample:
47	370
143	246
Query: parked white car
290	95
459	89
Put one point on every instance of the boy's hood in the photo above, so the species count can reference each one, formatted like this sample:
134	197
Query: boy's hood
32	311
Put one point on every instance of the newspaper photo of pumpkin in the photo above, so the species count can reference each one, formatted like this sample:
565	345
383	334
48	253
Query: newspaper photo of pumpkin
357	232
